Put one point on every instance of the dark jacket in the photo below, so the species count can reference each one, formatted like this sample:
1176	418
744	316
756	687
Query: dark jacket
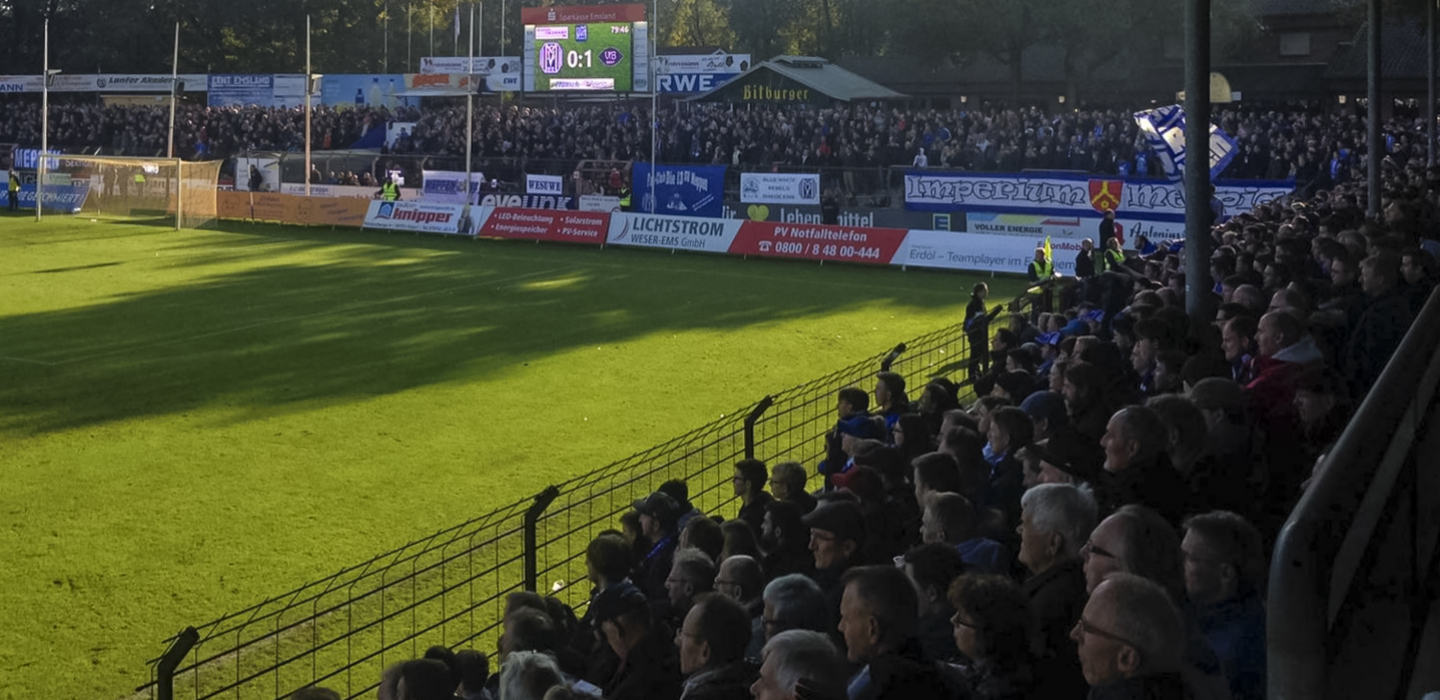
1235	630
754	513
729	682
1057	597
801	498
1164	686
1154	484
652	571
896	677
1375	338
650	672
1084	264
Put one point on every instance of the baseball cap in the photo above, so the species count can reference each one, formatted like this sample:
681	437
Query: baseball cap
1047	405
661	506
842	518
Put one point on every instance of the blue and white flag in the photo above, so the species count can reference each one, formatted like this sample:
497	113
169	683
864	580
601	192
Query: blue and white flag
1164	128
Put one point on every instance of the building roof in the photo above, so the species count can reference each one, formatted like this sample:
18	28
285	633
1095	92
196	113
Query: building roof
819	75
1275	8
1402	53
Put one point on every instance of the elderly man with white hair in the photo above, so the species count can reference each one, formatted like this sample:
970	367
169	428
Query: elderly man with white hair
1055	523
800	656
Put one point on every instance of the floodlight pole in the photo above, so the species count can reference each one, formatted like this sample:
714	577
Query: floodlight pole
44	124
308	91
654	103
1198	191
174	83
1375	151
470	109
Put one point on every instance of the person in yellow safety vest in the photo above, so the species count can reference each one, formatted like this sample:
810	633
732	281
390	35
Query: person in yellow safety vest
389	191
625	199
14	191
1041	268
1114	258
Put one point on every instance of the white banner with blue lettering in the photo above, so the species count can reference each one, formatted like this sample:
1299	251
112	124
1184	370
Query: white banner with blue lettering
1077	194
1164	129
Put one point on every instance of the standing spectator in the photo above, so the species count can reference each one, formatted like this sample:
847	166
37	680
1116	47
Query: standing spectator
1382	325
977	331
750	478
692	574
786	540
1138	467
795	602
787	483
649	663
931	567
741	580
1054	526
949	518
837	530
659	515
1084	260
878	619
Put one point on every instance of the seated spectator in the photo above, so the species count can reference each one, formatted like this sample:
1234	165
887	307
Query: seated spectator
1083	390
739	539
796	661
1138	467
949	519
1224	575
424	679
315	693
1285	351
855	422
474	669
795	602
931	567
1010	430
1068	458
787	483
447	657
607	563
786	540
679	491
1055	524
1233	452
879	615
890	399
649	664
712	643
1130	640
837	532
1185	431
992	631
528	675
1137	540
1322	404
659	521
527	629
692	574
937	472
1046	410
749	481
705	535
912	435
741	580
1381	326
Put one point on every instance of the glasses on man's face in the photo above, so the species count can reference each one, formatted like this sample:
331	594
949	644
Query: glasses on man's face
822	536
1089	629
1090	550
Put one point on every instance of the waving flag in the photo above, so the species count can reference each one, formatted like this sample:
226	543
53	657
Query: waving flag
1164	129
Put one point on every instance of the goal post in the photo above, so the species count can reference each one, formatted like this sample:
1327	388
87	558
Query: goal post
171	190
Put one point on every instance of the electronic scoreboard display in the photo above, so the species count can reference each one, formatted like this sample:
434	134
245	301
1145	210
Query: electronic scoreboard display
591	56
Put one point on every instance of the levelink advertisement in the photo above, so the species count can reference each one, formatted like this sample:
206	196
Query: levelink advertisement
681	190
350	91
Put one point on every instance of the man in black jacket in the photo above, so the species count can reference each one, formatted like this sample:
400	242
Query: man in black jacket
879	616
1137	467
712	643
649	664
1084	260
1055	521
659	518
749	482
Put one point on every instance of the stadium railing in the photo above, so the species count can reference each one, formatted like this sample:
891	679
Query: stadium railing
1356	570
450	588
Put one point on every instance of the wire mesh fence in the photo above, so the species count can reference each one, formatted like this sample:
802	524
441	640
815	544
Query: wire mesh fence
450	588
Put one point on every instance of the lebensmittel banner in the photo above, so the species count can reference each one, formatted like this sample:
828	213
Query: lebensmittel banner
674	232
421	217
779	188
1066	195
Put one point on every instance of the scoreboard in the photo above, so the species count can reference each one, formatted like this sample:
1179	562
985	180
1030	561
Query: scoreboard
602	48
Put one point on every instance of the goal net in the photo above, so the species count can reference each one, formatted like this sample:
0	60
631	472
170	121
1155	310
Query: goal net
176	192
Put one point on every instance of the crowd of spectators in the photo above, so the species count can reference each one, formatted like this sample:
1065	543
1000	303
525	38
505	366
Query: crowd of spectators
1097	524
1303	142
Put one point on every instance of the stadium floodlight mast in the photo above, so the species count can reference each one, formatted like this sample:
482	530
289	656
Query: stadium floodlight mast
309	92
654	101
174	93
470	87
44	123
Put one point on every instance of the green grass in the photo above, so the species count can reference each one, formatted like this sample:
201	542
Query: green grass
190	421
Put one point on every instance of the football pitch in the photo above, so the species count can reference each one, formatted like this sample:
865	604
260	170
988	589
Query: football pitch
191	421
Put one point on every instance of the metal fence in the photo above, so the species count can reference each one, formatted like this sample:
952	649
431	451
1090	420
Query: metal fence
449	588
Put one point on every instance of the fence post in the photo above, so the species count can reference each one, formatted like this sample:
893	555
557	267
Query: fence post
165	669
532	522
750	421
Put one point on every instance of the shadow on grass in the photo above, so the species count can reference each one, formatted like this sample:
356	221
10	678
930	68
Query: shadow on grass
339	316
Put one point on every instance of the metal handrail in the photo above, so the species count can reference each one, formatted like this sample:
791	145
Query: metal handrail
1319	552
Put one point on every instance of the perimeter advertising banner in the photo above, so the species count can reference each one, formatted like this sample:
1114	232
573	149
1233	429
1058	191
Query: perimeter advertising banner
540	225
1065	195
352	91
779	188
502	73
812	242
448	187
65	199
256	90
420	217
979	252
680	190
674	232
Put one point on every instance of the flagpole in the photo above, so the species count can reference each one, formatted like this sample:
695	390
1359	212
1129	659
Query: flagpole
470	111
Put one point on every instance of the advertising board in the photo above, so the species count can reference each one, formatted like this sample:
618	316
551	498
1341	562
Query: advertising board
812	242
420	217
680	190
674	232
561	226
779	188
